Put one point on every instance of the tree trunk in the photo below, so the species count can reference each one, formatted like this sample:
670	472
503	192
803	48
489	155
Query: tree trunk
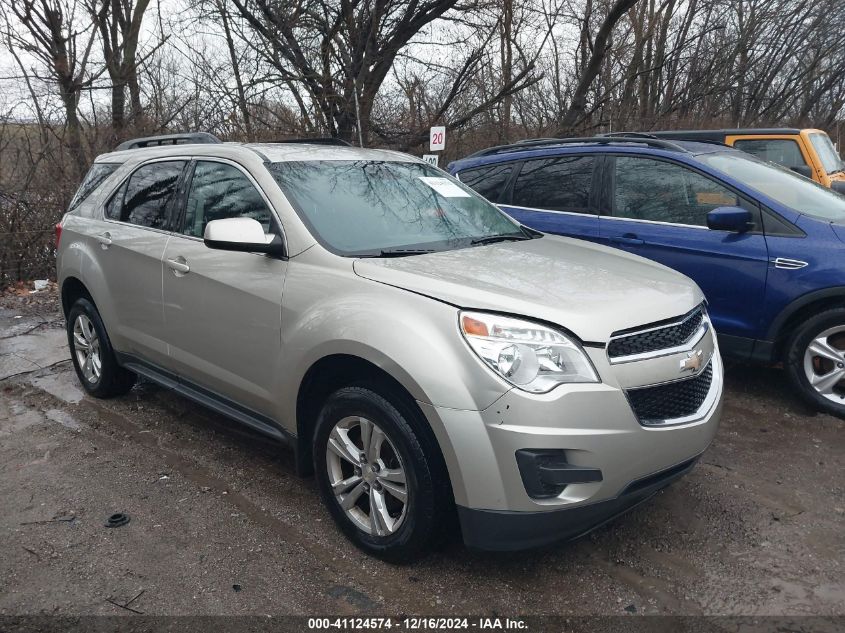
507	63
578	106
239	85
118	108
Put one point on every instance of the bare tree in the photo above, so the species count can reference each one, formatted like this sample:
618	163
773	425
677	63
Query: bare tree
598	48
50	32
119	24
338	54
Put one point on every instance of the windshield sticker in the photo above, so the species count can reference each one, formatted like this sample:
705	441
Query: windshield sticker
444	187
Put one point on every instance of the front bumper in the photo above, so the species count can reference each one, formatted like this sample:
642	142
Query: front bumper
594	426
500	530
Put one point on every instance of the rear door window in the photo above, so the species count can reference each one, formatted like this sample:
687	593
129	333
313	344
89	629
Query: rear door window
660	191
220	191
489	180
145	197
782	151
562	183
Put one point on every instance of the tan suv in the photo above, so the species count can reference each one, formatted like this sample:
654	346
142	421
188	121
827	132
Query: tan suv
419	350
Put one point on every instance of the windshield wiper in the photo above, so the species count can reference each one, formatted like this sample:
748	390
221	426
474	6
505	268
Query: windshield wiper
402	252
492	239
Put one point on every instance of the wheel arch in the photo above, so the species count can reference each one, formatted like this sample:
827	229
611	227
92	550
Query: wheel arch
332	372
73	289
798	311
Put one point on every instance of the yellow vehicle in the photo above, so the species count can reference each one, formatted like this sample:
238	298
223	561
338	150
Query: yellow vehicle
806	151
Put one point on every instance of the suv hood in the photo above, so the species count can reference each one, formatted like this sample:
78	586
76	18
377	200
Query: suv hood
588	289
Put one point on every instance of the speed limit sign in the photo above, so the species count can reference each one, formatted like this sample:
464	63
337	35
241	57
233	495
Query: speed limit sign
437	138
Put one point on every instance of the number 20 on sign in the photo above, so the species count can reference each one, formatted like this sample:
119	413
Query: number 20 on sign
437	138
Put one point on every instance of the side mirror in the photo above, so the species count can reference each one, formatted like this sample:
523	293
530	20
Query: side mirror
242	234
803	170
732	219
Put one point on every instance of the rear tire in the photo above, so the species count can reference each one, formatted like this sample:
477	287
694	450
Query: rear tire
385	498
92	354
815	361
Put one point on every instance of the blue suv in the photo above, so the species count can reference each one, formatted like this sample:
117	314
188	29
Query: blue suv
764	244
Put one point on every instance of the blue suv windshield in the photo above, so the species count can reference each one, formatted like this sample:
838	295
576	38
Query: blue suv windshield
796	192
363	208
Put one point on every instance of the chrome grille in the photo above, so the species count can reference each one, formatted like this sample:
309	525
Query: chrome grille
656	338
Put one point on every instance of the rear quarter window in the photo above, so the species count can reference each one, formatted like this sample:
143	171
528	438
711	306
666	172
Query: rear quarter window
95	177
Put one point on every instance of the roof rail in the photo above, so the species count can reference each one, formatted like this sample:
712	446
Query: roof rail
169	139
629	135
320	140
529	144
674	137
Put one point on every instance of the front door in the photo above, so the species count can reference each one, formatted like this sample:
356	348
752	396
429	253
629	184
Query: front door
658	209
222	309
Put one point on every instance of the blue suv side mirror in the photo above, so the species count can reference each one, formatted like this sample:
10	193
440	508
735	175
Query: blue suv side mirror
732	219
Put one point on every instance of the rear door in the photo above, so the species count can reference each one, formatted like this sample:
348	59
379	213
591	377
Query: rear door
222	309
130	243
556	194
658	209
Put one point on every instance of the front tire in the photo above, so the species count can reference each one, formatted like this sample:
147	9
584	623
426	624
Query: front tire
375	476
815	361
91	352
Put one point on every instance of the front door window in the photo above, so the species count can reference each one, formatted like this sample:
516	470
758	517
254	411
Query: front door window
660	191
219	191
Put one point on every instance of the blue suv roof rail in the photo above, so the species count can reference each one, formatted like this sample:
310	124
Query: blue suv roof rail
530	144
169	139
679	137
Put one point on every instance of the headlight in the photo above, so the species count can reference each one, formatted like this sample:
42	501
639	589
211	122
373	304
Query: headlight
529	355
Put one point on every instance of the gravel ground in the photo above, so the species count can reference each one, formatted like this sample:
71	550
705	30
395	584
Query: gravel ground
221	525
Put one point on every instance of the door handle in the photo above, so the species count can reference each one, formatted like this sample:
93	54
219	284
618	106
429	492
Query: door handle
629	238
104	239
179	266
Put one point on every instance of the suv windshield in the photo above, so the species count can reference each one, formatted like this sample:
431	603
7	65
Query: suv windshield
380	209
827	152
798	193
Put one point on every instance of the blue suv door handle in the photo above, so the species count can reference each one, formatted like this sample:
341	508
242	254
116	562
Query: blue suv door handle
627	238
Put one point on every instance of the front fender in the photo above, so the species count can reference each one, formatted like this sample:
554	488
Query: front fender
413	338
833	293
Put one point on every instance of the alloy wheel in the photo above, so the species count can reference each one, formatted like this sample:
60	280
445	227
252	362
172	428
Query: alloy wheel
86	346
367	476
824	363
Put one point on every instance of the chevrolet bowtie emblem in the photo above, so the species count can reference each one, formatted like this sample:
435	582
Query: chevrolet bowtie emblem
693	361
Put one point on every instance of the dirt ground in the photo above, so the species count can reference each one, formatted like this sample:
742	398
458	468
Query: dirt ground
221	525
